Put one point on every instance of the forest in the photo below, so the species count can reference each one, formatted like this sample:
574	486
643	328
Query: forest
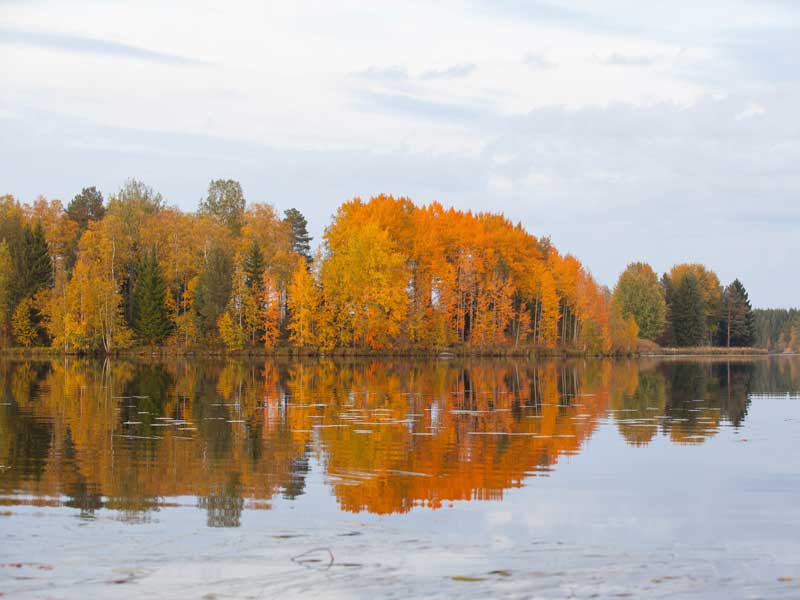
778	329
107	275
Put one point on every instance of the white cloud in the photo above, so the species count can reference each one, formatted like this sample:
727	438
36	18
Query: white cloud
754	109
668	128
453	72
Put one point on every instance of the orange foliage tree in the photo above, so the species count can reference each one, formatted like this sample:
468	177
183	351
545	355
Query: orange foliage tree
390	275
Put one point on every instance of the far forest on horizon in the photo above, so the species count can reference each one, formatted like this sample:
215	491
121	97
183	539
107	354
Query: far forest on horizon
131	272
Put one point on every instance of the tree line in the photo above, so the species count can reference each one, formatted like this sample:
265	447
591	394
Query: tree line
778	329
686	307
105	275
101	276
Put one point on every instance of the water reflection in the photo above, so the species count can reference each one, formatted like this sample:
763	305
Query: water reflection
388	435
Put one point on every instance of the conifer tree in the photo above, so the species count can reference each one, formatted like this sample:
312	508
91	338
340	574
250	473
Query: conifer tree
737	327
710	293
254	266
213	288
86	206
688	313
151	320
773	327
301	241
33	270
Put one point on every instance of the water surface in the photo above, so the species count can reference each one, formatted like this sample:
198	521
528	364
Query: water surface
400	478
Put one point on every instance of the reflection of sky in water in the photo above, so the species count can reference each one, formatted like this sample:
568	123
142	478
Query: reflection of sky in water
611	493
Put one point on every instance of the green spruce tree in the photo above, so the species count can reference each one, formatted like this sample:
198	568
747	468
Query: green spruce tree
151	320
688	313
737	326
213	288
33	270
254	266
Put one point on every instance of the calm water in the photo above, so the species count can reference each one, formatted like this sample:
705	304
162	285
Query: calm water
398	478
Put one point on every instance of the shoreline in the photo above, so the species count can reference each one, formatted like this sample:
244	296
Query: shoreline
441	354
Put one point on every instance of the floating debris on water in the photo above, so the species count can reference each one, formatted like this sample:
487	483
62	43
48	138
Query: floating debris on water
315	556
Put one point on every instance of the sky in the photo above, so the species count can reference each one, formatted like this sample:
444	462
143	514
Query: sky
626	131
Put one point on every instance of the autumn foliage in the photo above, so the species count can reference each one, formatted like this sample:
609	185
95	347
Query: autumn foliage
397	275
389	276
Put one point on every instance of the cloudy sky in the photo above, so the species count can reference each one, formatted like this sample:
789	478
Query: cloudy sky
664	132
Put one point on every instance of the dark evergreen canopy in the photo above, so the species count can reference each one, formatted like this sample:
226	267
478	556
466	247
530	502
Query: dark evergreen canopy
151	320
737	326
688	313
254	266
214	288
86	206
301	241
33	270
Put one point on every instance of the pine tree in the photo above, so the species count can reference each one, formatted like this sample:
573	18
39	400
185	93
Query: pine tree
301	241
737	327
688	313
254	266
86	206
33	270
213	288
151	320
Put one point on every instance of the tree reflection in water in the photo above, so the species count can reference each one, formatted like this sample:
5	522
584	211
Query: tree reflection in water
388	435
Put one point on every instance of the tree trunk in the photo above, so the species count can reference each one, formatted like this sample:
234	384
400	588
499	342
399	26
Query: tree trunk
729	327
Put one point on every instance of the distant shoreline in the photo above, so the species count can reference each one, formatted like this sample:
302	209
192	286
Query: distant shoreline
708	351
436	354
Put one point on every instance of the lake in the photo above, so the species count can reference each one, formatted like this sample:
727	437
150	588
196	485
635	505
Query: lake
400	478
